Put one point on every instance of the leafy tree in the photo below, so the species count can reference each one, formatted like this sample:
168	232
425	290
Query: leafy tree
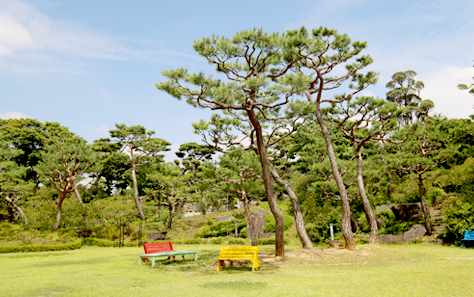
193	154
12	187
170	190
27	136
364	120
405	91
239	173
424	150
112	168
469	87
317	55
255	97
63	163
143	149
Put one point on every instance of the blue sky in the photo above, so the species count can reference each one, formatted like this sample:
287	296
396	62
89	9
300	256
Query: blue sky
90	64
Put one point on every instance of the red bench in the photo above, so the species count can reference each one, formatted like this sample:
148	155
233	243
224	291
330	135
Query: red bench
157	247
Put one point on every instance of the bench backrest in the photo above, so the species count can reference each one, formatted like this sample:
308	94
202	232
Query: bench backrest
469	235
157	247
239	252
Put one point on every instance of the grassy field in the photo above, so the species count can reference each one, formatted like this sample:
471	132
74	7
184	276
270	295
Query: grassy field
389	270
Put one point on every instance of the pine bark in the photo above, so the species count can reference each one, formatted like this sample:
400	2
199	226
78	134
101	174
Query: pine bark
135	190
58	214
18	210
299	221
369	213
346	210
267	180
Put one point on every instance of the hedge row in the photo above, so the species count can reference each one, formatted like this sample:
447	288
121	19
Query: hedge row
107	243
42	248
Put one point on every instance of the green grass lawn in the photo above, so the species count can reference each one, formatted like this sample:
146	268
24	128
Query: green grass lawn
382	270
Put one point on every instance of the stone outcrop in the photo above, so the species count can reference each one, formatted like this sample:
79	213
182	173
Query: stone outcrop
156	236
417	231
405	212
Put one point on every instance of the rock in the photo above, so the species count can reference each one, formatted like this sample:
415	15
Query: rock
405	212
156	236
380	223
334	244
83	233
416	231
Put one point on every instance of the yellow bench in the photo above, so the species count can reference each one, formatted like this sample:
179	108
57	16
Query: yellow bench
238	253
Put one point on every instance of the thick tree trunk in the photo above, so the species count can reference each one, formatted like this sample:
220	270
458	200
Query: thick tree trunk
426	211
389	186
267	180
58	214
170	221
84	212
346	210
135	192
299	221
369	213
17	209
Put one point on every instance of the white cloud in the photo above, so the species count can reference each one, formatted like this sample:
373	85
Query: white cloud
13	35
33	43
12	115
441	88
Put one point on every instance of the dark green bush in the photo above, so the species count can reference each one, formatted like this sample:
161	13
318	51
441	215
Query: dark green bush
459	217
400	227
42	248
387	216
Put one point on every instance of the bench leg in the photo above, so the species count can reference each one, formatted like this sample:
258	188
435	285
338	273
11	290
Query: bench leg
153	262
195	256
140	260
183	257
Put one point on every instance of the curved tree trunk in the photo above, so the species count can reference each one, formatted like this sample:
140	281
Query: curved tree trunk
135	192
58	214
18	210
346	210
84	213
267	180
426	211
299	221
369	213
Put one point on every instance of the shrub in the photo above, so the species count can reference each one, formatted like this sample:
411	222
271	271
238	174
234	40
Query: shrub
387	216
270	241
237	241
216	240
42	248
270	223
400	227
459	217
